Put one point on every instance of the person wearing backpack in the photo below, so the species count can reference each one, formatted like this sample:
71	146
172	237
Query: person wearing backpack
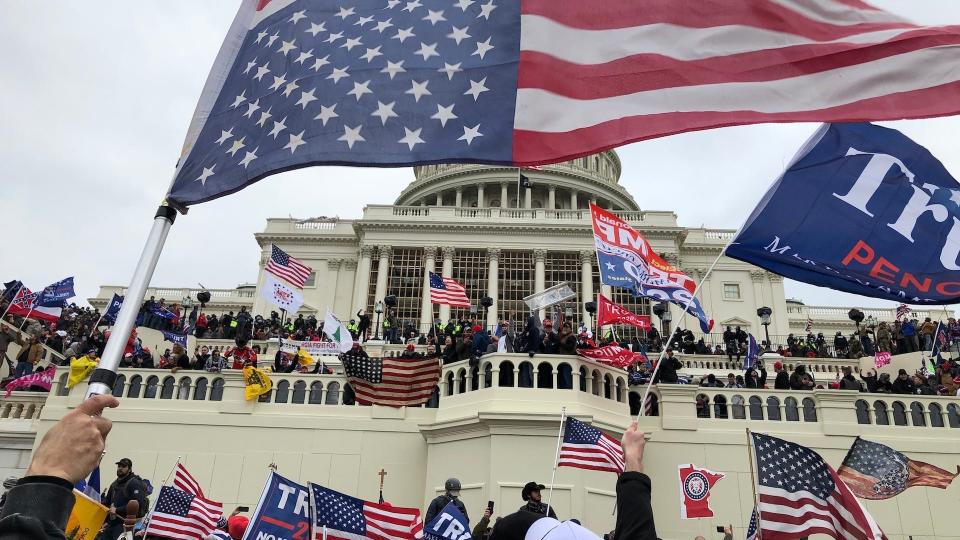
127	488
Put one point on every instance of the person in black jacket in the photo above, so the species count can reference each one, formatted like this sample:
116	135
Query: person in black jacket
634	507
39	505
667	374
451	493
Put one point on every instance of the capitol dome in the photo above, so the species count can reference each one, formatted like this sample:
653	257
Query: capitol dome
561	186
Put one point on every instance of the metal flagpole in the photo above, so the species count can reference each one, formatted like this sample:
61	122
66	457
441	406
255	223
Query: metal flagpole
94	329
25	318
519	181
556	458
102	379
10	303
686	310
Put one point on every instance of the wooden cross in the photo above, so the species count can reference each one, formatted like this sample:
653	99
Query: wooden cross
381	474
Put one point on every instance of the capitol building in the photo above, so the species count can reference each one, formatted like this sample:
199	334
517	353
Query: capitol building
490	429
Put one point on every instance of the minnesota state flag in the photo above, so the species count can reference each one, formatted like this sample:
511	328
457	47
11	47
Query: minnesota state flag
257	382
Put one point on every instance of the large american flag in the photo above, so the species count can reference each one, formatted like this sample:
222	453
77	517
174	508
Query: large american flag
444	290
349	518
402	82
800	495
286	267
184	481
391	381
183	516
586	447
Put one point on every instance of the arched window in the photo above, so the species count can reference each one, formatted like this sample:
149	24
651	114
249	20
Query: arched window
544	375
333	394
583	379
495	203
953	415
719	406
738	405
880	413
200	390
608	386
434	400
475	378
118	386
936	415
790	408
461	381
151	390
62	389
621	386
316	393
863	412
633	399
506	375
773	408
487	375
349	397
216	391
899	414
450	387
597	383
809	410
756	408
282	392
916	414
183	389
299	392
703	406
133	390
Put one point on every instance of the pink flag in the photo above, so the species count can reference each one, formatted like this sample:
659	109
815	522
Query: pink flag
881	359
42	379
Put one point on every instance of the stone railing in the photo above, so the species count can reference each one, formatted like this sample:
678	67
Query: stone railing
825	313
499	215
243	296
21	406
49	355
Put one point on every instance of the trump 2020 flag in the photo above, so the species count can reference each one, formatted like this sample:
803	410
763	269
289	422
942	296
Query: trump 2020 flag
281	295
627	260
56	294
175	337
393	83
695	485
115	304
864	210
753	352
450	524
282	512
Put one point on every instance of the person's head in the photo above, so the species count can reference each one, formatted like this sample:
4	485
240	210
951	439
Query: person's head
847	371
452	487
431	349
669	352
731	378
124	467
204	350
902	375
531	492
215	353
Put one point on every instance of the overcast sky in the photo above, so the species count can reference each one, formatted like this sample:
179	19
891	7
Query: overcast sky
95	99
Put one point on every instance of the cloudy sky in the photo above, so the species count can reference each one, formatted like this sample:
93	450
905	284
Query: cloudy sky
95	99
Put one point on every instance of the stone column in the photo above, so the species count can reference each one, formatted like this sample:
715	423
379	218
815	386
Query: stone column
333	283
552	198
341	297
586	280
504	196
493	285
480	197
426	307
439	199
362	280
528	198
574	203
447	271
382	270
458	201
539	258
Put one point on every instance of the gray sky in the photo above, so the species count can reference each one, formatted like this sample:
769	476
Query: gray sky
95	99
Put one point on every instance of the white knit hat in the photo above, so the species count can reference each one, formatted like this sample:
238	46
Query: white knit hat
551	529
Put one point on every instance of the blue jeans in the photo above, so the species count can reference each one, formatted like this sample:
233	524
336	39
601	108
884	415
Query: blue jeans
23	369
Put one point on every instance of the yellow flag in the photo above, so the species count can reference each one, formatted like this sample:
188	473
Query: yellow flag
86	518
305	359
80	369
257	382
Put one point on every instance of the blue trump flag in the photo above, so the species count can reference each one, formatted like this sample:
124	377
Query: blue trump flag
753	352
179	339
56	294
11	288
115	304
450	524
283	511
864	210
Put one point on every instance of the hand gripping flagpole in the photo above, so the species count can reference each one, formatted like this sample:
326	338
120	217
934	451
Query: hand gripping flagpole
102	379
556	458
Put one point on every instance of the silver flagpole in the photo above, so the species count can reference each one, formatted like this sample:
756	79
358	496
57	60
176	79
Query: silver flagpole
101	382
556	458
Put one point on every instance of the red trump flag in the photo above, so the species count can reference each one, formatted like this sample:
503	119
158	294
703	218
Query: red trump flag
610	312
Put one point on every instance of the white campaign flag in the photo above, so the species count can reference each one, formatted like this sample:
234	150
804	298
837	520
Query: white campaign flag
281	295
338	332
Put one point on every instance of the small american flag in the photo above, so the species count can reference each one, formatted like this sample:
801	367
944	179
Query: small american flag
444	290
586	447
184	481
809	325
286	267
800	495
752	533
349	518
902	311
183	516
394	382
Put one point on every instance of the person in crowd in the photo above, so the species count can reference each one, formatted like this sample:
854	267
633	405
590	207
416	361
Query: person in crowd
7	336
534	500
921	386
848	382
782	381
283	362
710	381
242	355
751	379
634	508
465	345
800	379
126	498
667	374
201	355
451	493
363	325
567	340
481	341
945	378
29	356
449	350
482	530
200	327
926	330
216	363
884	338
410	352
909	330
551	341
903	384
179	359
532	335
884	385
732	381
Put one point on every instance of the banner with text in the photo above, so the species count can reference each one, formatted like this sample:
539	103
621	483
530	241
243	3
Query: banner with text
613	355
609	312
315	348
283	511
864	210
